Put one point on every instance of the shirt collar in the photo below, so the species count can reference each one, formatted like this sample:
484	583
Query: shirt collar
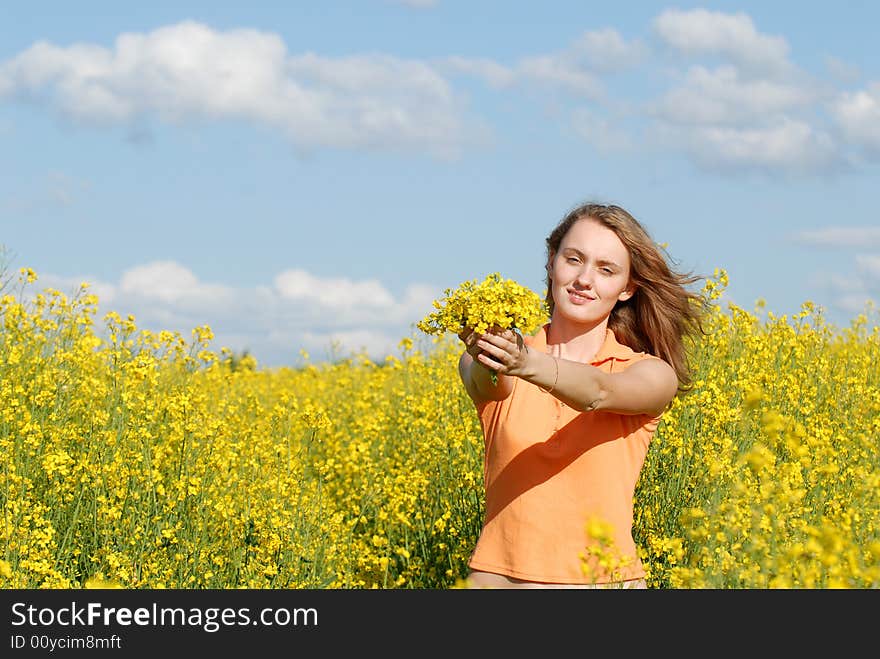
611	347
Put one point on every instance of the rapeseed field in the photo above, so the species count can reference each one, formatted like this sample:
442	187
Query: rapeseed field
147	460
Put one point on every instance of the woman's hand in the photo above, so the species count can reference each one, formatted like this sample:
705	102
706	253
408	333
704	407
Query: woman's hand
489	382
502	351
470	339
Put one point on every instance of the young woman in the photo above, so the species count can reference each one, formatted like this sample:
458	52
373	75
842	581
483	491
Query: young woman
568	421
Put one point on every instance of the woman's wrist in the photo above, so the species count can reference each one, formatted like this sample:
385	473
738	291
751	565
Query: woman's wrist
542	370
555	376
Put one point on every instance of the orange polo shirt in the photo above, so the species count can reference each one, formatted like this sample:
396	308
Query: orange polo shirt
548	468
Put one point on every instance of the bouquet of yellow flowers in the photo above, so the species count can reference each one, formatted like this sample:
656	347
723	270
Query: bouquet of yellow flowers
494	302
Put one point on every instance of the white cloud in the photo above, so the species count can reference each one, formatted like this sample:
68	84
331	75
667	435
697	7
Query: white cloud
576	69
335	293
843	283
856	303
753	110
868	265
855	291
489	71
858	115
722	96
857	237
65	189
373	343
169	282
732	36
188	70
787	146
741	114
273	322
559	71
606	50
56	190
579	67
603	134
842	70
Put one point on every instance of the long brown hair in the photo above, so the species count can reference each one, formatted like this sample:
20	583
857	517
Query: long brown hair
662	311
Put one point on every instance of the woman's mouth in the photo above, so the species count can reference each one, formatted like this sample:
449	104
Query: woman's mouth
579	298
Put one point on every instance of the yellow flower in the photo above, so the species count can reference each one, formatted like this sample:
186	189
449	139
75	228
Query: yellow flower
494	302
98	582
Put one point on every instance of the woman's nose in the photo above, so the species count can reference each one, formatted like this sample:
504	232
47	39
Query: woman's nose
584	278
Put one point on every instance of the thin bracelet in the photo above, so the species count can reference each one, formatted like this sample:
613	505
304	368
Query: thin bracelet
555	380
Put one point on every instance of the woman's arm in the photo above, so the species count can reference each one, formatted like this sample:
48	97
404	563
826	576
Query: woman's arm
478	381
646	387
476	376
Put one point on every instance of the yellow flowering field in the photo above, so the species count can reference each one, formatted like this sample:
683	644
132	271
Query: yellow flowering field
153	460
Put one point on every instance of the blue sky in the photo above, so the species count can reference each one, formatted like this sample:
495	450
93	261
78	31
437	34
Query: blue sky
310	175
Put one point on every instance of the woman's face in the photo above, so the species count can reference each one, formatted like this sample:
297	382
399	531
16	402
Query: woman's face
589	273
